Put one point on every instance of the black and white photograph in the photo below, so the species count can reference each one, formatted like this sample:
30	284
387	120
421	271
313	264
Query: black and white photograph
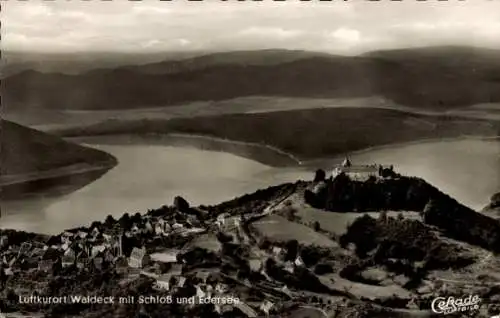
224	158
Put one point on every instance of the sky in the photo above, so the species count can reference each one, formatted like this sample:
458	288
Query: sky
347	27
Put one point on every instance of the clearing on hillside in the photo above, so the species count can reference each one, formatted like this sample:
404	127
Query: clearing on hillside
337	222
277	228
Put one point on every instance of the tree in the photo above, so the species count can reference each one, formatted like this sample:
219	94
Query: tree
310	198
322	269
319	175
429	209
137	218
495	200
383	216
265	244
125	222
290	213
317	226
292	248
181	204
110	221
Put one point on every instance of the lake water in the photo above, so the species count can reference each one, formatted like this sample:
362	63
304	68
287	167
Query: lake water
150	176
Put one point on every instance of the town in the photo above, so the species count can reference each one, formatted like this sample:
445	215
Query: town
187	256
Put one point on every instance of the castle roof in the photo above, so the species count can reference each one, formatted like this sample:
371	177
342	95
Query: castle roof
359	169
346	162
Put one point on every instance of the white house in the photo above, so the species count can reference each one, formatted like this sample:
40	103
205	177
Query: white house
199	292
163	282
289	267
149	227
68	258
98	263
97	249
285	290
255	264
135	229
175	270
177	226
221	288
277	251
45	265
222	217
121	265
138	258
160	228
299	262
181	281
169	256
266	306
95	231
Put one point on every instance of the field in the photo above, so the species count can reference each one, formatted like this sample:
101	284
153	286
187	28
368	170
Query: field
337	222
206	241
364	290
276	228
333	222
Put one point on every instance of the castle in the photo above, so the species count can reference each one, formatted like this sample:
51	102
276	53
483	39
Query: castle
361	172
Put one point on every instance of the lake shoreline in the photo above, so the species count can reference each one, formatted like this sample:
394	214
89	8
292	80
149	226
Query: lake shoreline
321	161
159	154
265	154
53	182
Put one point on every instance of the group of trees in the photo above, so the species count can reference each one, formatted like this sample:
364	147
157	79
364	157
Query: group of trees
462	223
409	241
343	194
301	279
254	202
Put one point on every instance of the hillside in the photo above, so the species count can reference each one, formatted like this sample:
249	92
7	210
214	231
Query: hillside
273	266
307	134
430	82
14	62
28	155
493	207
241	58
451	56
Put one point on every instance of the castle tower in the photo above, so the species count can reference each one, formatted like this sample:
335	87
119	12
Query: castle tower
346	162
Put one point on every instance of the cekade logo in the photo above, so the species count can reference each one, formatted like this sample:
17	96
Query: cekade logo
441	305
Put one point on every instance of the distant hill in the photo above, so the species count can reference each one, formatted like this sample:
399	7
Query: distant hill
241	58
25	150
28	156
442	80
14	62
307	134
447	55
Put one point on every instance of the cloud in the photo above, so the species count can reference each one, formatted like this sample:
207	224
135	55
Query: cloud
270	32
347	36
345	27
